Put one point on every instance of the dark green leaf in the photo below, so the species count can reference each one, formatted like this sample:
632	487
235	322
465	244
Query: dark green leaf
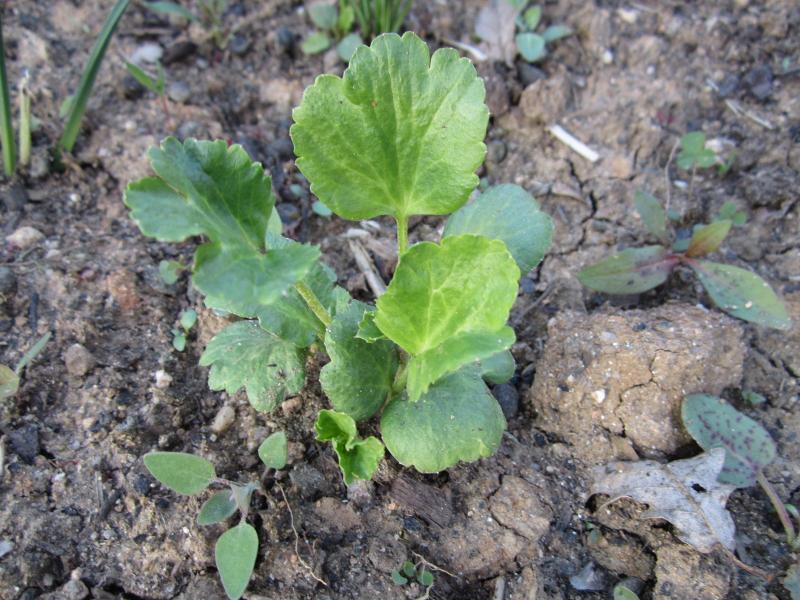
556	32
708	238
244	355
142	77
315	43
400	116
753	398
235	555
217	508
398	579
531	46
425	578
632	271
742	294
169	271
348	46
359	377
458	419
714	423
273	451
324	15
532	16
184	473
498	368
409	570
447	305
653	215
509	214
358	458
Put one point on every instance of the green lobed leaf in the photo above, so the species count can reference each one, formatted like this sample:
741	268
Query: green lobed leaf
235	554
244	355
212	189
359	376
531	46
714	423
742	294
348	46
9	382
708	238
183	473
274	451
498	368
315	43
447	305
694	152
358	458
556	32
457	420
400	134
653	215
532	16
217	508
367	330
510	214
632	271
324	15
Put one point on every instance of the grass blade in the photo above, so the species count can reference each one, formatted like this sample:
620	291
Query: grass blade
6	133
78	107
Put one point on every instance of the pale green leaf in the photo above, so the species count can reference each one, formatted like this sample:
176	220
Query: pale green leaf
653	215
531	46
632	271
323	14
498	368
273	451
507	213
367	330
217	508
694	153
400	134
315	43
446	302
556	32
714	423
742	294
348	46
170	8
235	554
183	473
358	458
457	420
9	382
532	16
359	377
623	593
169	271
398	578
707	239
188	319
244	355
792	581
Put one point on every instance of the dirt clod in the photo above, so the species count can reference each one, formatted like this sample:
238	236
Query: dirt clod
517	505
78	360
25	237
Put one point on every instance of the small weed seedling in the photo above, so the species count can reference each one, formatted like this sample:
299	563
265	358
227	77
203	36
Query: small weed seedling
155	84
714	423
189	475
411	572
533	46
9	379
187	320
170	271
401	134
375	17
210	16
738	292
334	24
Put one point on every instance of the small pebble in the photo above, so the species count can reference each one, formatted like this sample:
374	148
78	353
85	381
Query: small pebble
130	88
728	86
25	237
291	405
24	442
74	589
507	397
288	212
188	129
497	151
5	547
78	360
239	44
224	419
163	379
178	51
527	285
759	80
179	92
147	53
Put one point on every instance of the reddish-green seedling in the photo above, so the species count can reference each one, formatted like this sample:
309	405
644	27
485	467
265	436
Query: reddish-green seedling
737	291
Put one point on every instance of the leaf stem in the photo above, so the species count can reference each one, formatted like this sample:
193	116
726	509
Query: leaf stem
402	235
401	376
783	514
310	298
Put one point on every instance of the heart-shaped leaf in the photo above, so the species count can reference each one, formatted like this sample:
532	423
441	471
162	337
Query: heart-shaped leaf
632	271
244	355
323	14
694	153
273	451
359	377
447	305
375	141
714	423
742	294
531	46
358	458
183	473
235	554
217	508
457	420
510	214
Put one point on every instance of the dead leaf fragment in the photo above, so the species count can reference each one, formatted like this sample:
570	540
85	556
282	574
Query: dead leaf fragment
684	492
495	25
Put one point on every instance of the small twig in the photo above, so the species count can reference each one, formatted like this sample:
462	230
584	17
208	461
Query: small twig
666	172
476	53
428	563
779	506
574	143
367	267
297	537
740	110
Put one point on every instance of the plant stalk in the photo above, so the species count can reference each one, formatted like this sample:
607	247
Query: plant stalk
311	300
783	514
402	235
401	376
6	132
24	122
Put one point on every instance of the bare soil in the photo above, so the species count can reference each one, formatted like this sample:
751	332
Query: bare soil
79	515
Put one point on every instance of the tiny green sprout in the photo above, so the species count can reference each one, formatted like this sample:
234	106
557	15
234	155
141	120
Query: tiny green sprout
533	46
753	398
409	571
9	379
694	154
738	292
792	581
320	209
713	423
418	360
188	319
398	578
190	475
170	270
622	592
334	23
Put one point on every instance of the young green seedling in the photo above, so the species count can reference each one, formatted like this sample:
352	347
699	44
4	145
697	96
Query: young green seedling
334	24
738	292
410	572
369	147
9	379
533	46
714	423
210	15
189	475
187	320
155	84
